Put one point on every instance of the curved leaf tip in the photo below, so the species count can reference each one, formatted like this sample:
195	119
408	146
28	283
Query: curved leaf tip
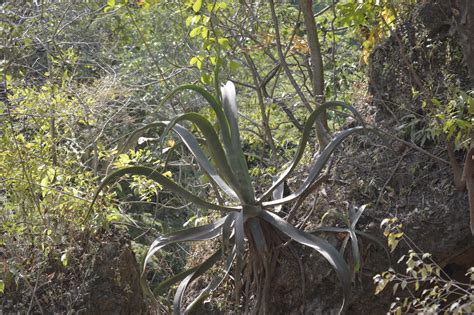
229	96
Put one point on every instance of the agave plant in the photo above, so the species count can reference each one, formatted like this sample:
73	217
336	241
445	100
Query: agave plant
249	227
351	219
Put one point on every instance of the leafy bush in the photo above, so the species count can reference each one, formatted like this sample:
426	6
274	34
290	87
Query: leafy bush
424	288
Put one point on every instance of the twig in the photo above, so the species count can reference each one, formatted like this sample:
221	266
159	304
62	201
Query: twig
390	178
413	146
283	60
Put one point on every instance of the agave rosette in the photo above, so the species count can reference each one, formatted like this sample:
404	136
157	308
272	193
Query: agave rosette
229	172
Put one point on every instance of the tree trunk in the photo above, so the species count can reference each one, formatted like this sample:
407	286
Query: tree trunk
316	59
463	12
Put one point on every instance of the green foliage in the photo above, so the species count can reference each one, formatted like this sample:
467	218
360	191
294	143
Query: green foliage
45	180
226	166
430	289
454	119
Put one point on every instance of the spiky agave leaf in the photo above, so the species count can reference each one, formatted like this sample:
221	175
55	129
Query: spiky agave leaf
351	222
304	140
162	180
212	142
214	146
328	251
199	233
316	168
233	145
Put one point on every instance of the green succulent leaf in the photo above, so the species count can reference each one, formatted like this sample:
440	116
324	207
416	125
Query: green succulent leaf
199	233
213	144
162	180
304	139
192	144
354	239
166	284
213	102
239	249
323	247
214	284
233	145
316	168
257	235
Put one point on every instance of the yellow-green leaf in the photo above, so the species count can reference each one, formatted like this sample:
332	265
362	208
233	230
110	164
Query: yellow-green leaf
197	5
64	259
380	286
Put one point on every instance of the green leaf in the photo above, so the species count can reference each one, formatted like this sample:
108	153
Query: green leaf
166	284
234	66
315	169
233	145
204	32
213	145
196	31
224	43
239	250
162	180
322	246
206	78
188	21
197	5
193	60
278	193
304	139
203	161
199	233
213	102
258	236
2	286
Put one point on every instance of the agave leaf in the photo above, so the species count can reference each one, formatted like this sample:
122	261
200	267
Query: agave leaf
216	106
201	269
278	193
257	235
316	168
203	161
162	180
164	285
355	249
131	140
323	247
233	145
304	139
357	232
199	233
355	216
191	143
239	249
227	230
214	284
212	142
